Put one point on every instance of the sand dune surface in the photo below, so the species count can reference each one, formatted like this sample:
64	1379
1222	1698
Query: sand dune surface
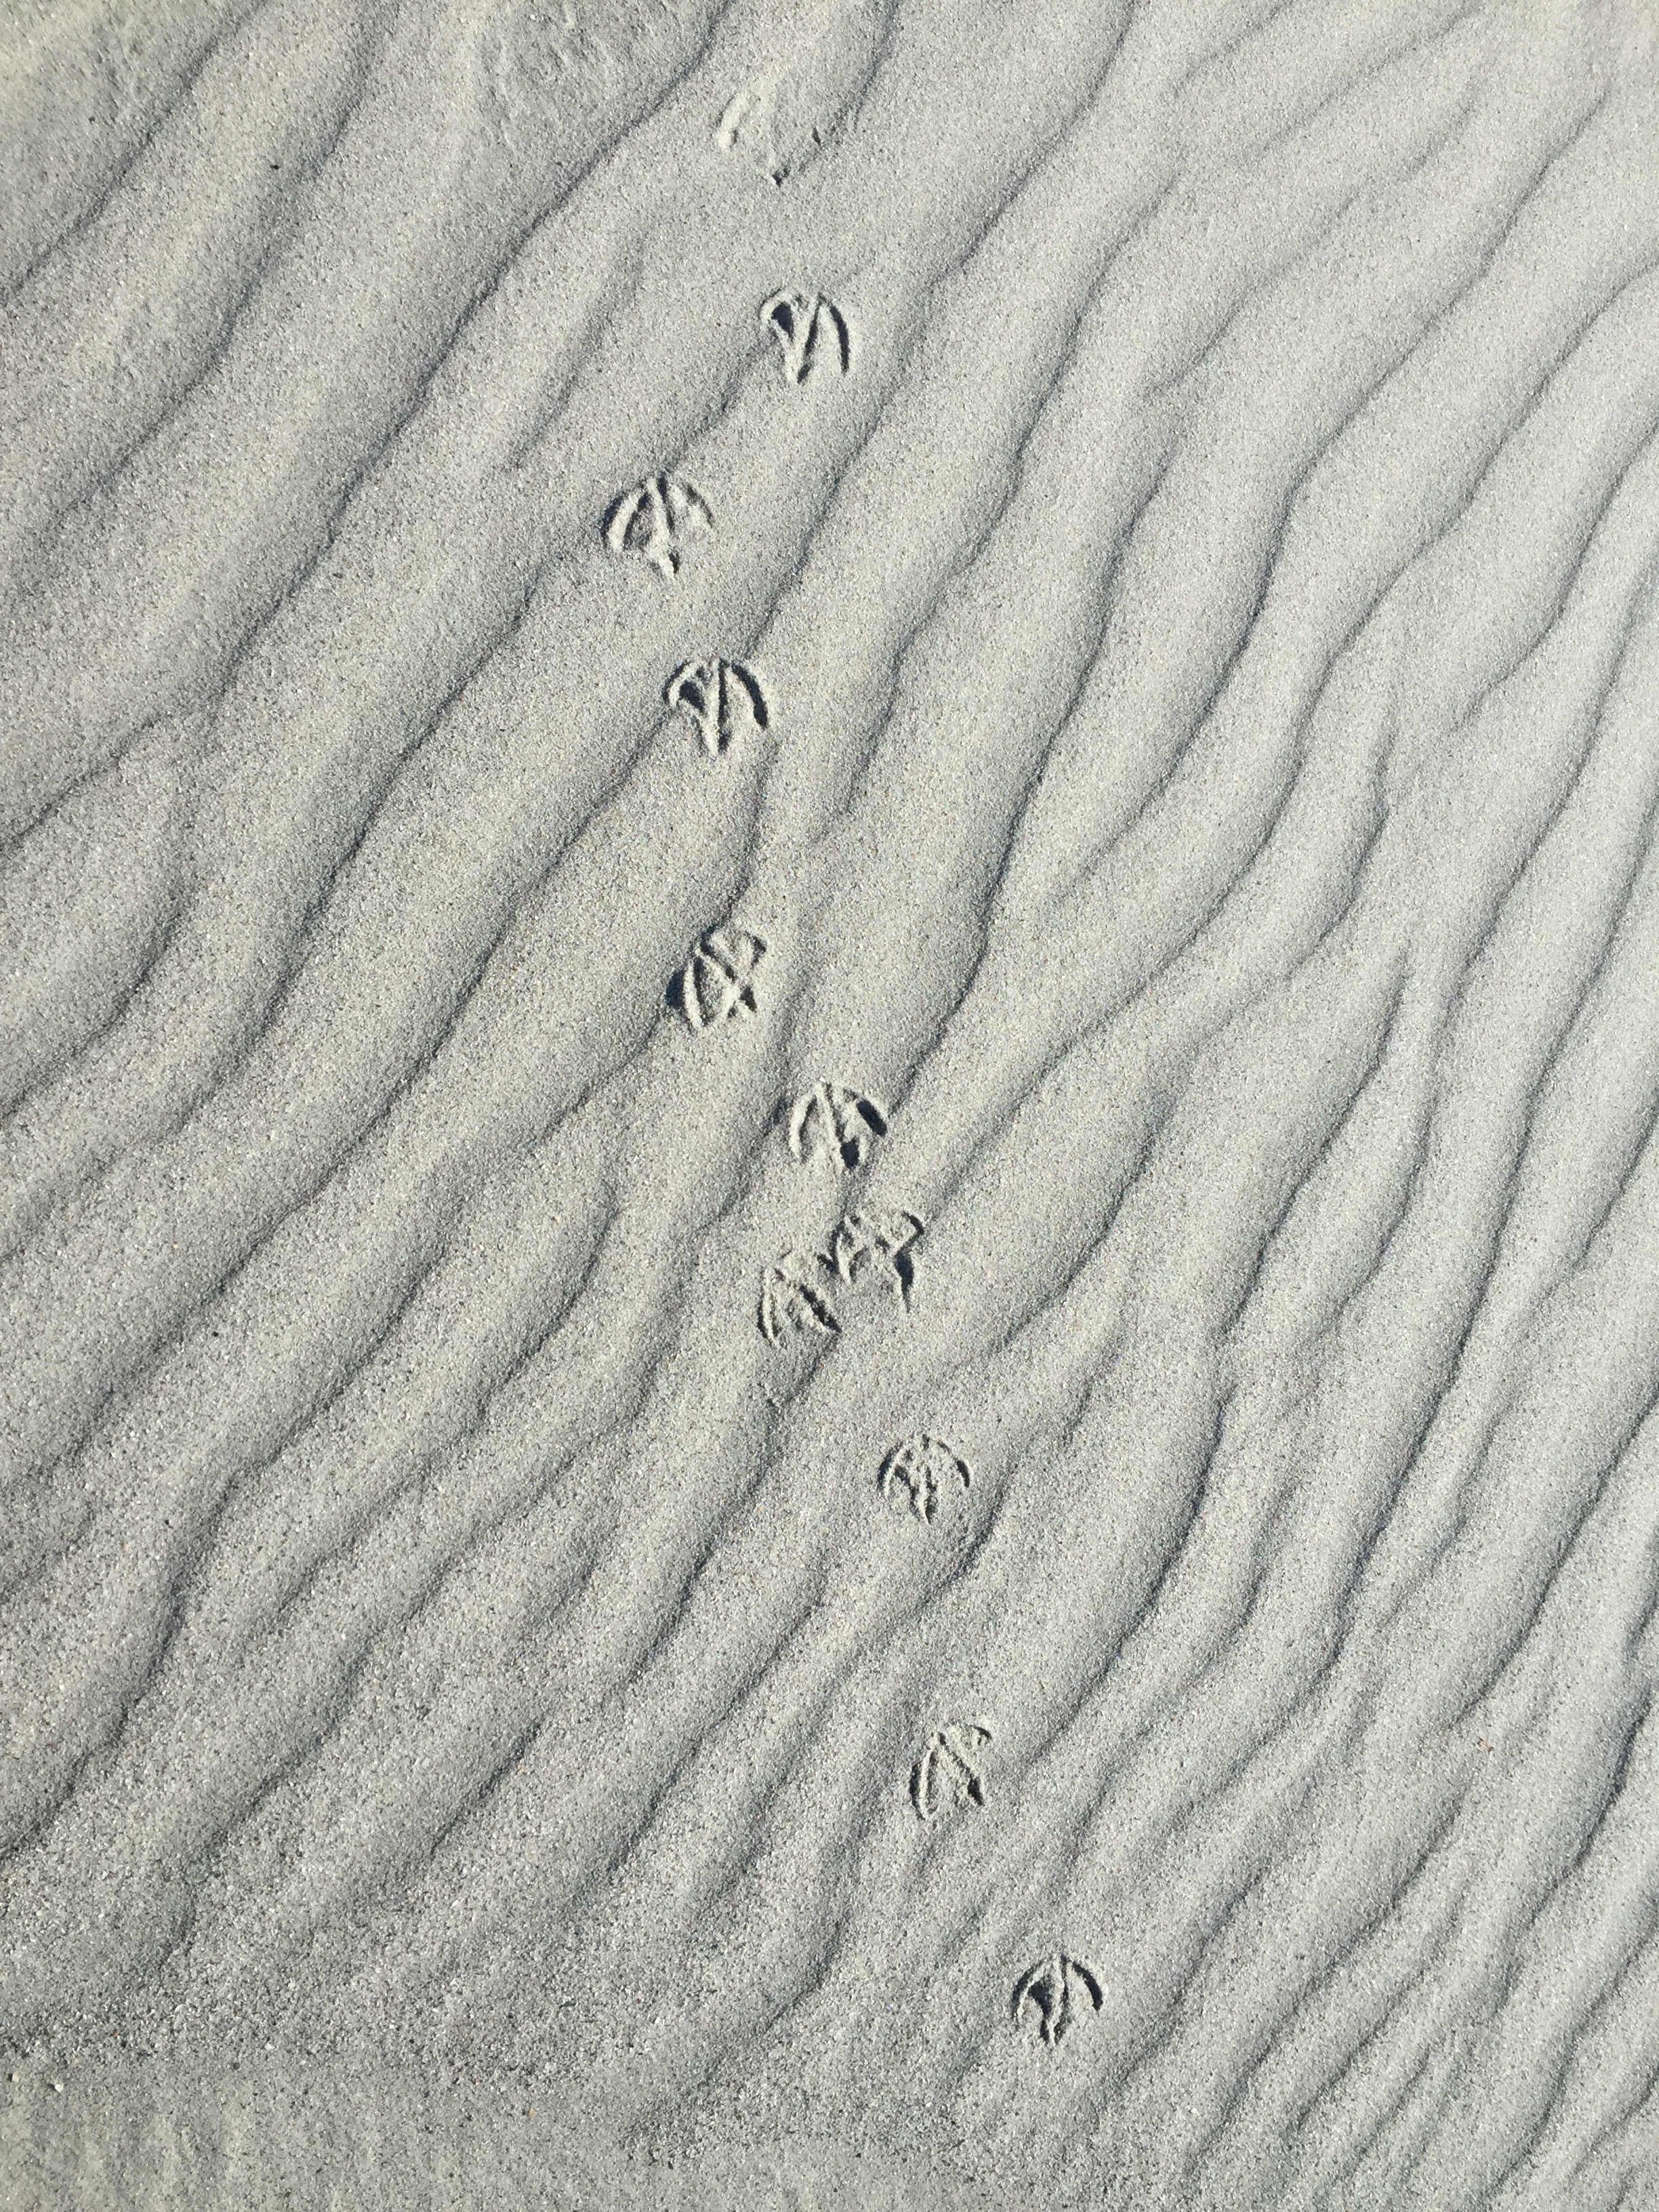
829	1056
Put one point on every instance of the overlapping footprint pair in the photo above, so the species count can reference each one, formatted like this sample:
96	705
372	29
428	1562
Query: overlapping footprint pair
801	1292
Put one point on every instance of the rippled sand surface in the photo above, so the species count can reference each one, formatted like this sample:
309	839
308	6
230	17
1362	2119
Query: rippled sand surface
829	1046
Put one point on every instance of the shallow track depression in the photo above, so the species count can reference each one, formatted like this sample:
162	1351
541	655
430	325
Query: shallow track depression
828	1066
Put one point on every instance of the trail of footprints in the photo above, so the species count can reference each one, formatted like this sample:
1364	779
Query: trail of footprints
830	1124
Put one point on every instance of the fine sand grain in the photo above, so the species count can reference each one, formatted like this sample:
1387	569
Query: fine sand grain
829	1059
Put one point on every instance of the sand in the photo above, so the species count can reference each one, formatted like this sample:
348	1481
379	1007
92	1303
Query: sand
829	1050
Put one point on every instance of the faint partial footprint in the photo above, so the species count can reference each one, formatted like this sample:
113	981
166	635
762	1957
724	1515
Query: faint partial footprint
783	117
830	1122
794	1300
653	517
924	1467
745	128
717	982
862	1242
539	58
946	1777
750	128
811	332
722	697
1054	1988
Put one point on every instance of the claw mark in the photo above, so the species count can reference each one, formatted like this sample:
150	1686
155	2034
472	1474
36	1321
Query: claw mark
716	984
811	330
791	1301
922	1464
861	1241
652	519
719	696
1049	1988
829	1122
945	1778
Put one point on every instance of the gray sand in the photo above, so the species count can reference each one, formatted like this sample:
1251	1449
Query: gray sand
829	1046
